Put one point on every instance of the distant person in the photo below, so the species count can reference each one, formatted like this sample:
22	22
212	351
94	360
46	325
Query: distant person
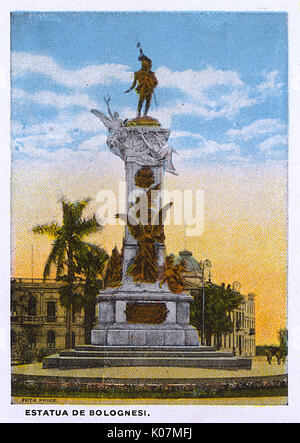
279	357
269	356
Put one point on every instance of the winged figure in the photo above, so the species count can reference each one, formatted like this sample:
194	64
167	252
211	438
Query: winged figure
110	124
114	125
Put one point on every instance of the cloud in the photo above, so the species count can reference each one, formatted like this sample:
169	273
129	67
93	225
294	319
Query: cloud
104	74
210	93
75	158
179	134
59	140
81	121
272	144
93	143
65	129
71	163
232	103
70	122
270	85
53	139
16	127
195	82
257	128
165	114
209	148
56	134
50	98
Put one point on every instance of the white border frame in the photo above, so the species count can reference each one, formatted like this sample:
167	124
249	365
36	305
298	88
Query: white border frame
171	414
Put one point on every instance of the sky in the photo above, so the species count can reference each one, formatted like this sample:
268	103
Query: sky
222	92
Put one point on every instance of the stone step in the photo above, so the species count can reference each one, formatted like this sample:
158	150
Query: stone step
62	362
145	348
145	354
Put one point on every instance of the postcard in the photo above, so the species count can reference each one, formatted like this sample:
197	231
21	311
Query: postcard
150	156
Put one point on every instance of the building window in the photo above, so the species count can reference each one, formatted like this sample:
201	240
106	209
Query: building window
13	338
14	307
31	309
51	339
73	339
31	338
51	311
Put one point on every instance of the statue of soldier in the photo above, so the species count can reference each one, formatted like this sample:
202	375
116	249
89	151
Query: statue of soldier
146	81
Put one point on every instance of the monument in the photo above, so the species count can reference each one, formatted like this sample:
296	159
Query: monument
144	313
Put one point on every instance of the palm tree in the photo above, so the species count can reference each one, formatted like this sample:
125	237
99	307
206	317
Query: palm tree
68	241
90	263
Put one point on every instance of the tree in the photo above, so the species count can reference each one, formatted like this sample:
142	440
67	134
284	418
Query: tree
219	302
21	351
90	263
68	241
283	342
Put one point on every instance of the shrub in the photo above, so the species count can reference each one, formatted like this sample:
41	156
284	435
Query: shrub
42	353
27	357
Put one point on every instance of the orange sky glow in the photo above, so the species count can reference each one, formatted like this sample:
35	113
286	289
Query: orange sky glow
245	224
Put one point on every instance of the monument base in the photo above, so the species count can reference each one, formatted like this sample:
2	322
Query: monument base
138	316
89	356
166	340
123	334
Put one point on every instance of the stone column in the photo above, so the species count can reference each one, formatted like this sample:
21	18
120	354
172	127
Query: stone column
132	145
143	314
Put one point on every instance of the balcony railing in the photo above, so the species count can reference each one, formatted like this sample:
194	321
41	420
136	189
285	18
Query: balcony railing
41	319
34	319
27	318
252	331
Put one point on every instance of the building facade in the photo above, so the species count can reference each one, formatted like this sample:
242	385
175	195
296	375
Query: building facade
242	340
38	321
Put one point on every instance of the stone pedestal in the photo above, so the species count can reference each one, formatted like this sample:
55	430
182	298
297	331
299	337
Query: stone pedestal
114	329
170	326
